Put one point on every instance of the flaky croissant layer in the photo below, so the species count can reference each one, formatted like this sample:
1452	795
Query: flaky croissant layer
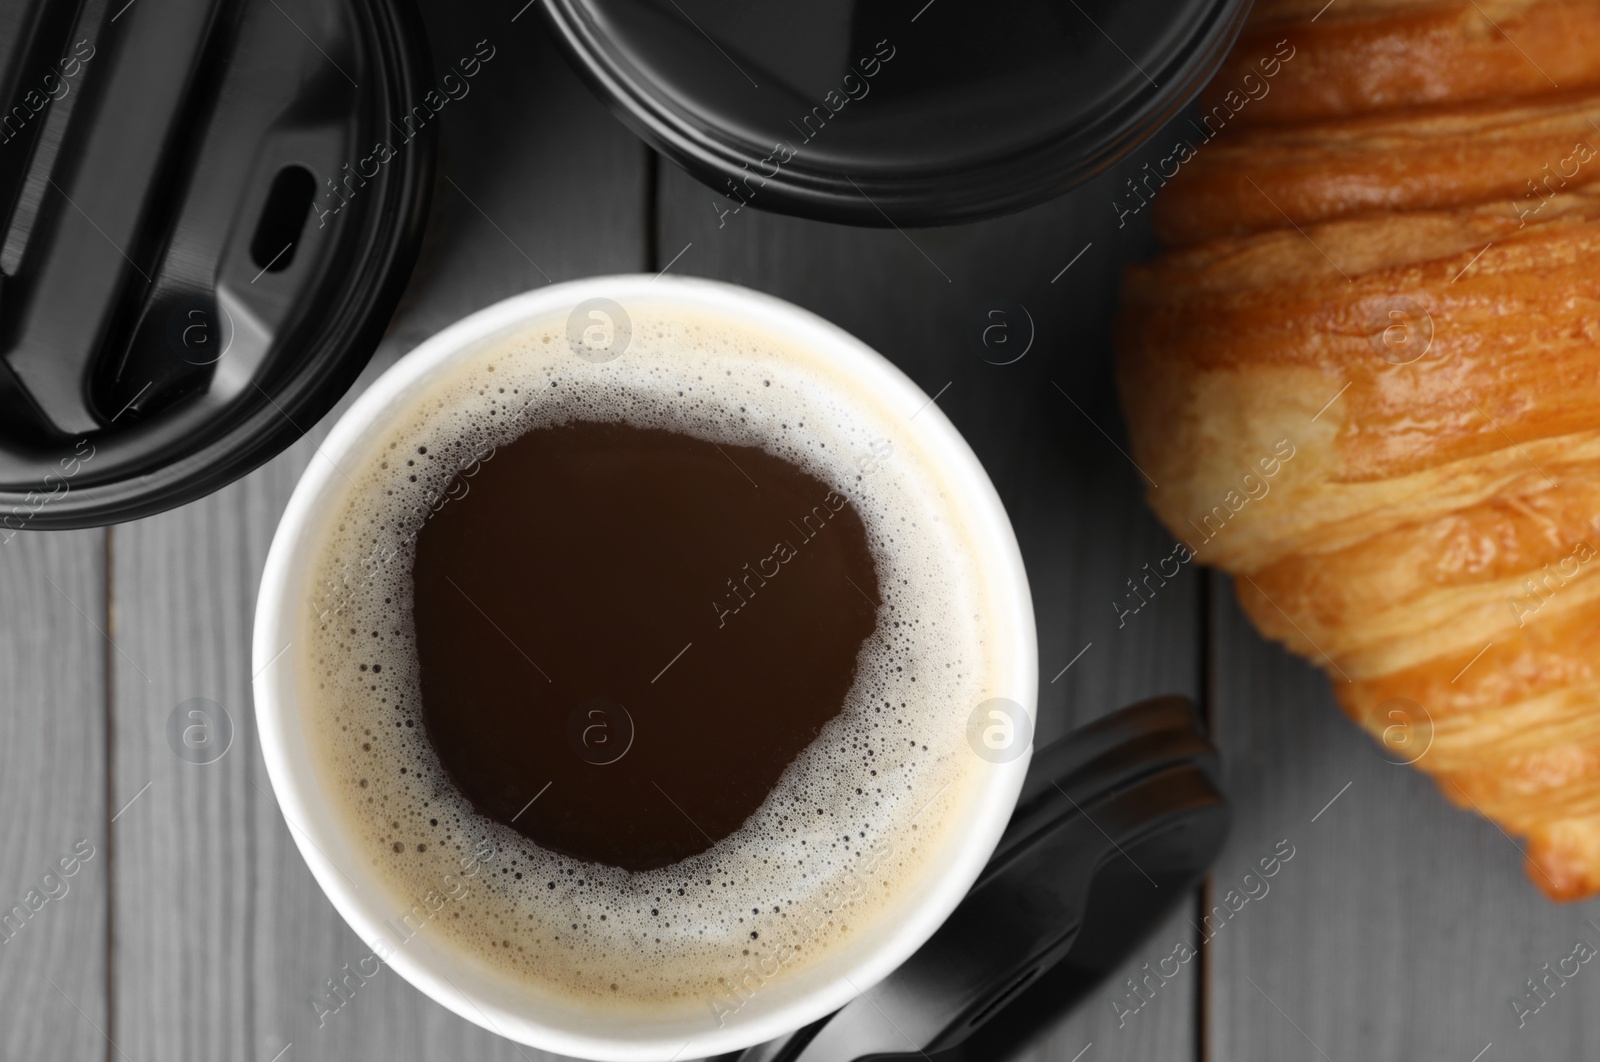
1381	283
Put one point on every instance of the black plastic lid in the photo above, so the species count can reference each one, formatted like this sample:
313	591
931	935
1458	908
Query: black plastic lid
906	112
201	238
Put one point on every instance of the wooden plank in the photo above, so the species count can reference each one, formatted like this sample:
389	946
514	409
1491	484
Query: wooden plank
53	651
1403	926
222	935
1038	425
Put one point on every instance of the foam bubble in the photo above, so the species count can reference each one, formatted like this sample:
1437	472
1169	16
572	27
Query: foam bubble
856	825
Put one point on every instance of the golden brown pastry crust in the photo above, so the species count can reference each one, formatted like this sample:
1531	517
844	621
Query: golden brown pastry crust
1399	161
1397	278
1368	57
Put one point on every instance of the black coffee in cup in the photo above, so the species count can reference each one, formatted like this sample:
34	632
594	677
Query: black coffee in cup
625	635
643	678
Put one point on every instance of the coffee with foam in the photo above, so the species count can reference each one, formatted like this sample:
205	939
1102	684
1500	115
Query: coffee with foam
887	785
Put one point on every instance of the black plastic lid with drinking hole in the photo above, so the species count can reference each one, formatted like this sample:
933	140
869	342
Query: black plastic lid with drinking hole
201	238
905	112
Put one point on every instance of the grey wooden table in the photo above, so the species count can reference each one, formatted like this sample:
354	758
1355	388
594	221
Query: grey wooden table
1400	929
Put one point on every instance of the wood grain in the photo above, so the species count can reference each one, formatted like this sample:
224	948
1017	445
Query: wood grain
53	652
222	935
1401	928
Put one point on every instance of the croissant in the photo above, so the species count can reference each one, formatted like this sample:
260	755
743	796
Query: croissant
1364	378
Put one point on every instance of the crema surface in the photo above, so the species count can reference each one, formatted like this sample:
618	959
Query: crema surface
856	824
